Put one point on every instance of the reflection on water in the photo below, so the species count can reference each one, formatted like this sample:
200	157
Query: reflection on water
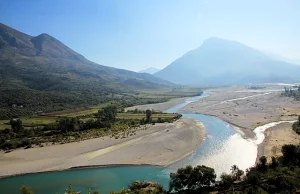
222	148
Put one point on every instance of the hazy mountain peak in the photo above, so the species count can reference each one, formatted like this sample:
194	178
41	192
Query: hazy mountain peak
220	61
150	70
215	39
221	43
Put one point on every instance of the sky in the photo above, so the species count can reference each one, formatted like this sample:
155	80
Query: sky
137	34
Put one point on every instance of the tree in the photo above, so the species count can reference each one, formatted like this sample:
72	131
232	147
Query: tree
16	125
190	178
180	180
289	153
143	187
236	172
68	124
146	187
26	190
110	113
274	163
253	178
148	116
263	163
226	181
135	111
100	115
296	126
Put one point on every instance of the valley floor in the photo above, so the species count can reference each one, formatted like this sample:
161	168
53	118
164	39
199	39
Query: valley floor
159	144
163	144
247	109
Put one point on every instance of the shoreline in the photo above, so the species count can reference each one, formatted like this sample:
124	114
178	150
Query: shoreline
245	132
159	145
275	137
80	168
160	106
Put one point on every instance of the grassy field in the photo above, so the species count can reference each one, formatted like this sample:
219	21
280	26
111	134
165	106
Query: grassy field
125	119
4	124
44	120
168	93
141	115
39	120
30	121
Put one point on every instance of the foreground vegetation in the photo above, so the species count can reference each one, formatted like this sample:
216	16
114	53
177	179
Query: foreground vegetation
281	175
296	126
108	120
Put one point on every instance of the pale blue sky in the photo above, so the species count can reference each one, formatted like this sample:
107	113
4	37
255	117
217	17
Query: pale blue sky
136	34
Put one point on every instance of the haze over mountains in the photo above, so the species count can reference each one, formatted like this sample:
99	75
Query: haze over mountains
44	63
150	70
281	58
220	62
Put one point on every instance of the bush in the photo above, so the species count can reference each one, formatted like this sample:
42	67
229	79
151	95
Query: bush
190	178
26	190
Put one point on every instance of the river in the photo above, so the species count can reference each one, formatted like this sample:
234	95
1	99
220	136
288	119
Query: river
222	148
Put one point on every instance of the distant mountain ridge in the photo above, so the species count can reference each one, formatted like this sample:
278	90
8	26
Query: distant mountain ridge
43	67
150	70
219	61
45	49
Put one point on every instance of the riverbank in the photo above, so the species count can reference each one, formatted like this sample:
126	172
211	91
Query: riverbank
160	144
246	109
275	138
160	106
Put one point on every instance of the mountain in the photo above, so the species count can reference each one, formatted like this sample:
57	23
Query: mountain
150	70
39	72
222	62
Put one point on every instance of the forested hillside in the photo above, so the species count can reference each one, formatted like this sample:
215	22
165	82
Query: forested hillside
41	74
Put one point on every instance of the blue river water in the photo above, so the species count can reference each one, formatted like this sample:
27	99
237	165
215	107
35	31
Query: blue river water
222	148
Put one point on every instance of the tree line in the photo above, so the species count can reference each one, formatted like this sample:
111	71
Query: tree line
292	92
103	122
